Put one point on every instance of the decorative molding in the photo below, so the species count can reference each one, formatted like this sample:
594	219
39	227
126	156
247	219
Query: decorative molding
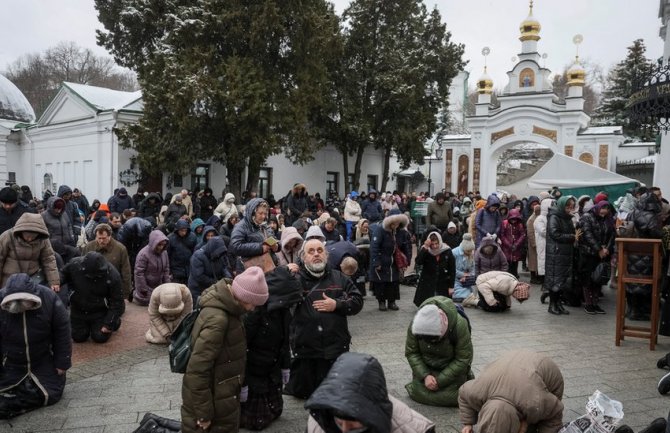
567	150
500	134
476	167
478	136
550	134
603	154
447	171
524	129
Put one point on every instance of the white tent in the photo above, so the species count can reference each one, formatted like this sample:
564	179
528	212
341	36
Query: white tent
578	178
566	172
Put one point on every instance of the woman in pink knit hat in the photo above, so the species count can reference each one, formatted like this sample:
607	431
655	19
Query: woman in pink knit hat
212	382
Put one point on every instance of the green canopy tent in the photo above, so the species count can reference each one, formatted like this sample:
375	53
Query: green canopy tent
577	178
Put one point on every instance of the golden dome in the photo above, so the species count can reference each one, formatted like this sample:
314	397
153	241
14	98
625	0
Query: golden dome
530	27
485	84
576	74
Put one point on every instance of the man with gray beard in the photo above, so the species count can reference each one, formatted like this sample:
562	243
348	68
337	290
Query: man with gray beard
319	331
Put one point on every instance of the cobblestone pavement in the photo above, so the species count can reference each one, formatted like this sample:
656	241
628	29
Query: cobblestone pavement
110	394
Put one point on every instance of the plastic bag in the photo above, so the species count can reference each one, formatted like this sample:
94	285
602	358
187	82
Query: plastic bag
602	416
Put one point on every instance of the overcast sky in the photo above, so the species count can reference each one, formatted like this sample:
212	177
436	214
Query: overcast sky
608	27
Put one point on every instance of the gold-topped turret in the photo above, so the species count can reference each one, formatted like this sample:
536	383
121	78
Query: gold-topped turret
485	84
576	74
530	27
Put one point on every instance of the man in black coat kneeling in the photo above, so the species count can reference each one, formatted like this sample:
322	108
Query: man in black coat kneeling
96	303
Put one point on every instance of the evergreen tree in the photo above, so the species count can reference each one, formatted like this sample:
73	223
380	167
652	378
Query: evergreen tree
390	82
229	81
618	88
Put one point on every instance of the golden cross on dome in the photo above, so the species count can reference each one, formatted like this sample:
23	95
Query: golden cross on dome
531	7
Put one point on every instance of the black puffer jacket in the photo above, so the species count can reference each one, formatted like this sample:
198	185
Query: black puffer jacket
95	287
59	224
597	232
319	334
150	206
180	250
355	387
267	330
47	329
647	219
560	248
384	241
209	264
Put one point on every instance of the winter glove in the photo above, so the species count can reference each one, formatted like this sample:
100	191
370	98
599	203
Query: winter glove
244	394
285	375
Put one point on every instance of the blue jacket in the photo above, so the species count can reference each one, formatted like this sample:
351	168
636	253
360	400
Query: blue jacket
462	266
372	209
487	221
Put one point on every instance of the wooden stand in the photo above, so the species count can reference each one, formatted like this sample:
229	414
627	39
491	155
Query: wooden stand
644	247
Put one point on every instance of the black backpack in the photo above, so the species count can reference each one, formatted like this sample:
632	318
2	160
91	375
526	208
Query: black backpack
180	347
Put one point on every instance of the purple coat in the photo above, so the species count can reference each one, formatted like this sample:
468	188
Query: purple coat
513	237
151	269
488	219
490	262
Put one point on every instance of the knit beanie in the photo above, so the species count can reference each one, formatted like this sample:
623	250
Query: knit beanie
250	286
543	195
451	225
466	243
170	301
430	320
8	195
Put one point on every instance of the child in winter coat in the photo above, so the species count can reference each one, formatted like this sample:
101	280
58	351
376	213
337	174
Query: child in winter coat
513	237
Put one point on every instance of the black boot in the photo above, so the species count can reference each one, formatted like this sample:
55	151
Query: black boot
562	309
554	303
657	426
664	362
382	306
543	297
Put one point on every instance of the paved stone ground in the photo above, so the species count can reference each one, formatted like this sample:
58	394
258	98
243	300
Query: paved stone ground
110	394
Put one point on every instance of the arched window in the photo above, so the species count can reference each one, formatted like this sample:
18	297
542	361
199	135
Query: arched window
527	78
586	157
47	184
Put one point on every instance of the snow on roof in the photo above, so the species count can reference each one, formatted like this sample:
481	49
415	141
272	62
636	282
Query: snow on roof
457	137
106	99
651	159
13	104
602	130
639	144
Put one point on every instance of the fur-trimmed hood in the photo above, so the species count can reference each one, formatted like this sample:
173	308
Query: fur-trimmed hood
398	218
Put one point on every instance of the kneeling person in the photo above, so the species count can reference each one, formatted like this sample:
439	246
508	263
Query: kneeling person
353	398
169	304
96	303
439	351
496	289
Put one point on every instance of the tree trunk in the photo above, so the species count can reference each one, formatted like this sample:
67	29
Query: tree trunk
345	169
357	167
253	174
235	179
385	169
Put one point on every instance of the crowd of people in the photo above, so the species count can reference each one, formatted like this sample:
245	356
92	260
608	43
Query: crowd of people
275	280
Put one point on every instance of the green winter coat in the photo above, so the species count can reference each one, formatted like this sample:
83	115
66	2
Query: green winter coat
449	363
215	372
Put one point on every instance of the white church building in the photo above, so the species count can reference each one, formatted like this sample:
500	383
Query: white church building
74	143
528	112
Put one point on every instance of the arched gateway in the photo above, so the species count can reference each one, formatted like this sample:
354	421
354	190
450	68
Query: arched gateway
528	112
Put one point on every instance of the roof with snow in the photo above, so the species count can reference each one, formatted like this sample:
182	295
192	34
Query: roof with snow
103	99
13	104
602	130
